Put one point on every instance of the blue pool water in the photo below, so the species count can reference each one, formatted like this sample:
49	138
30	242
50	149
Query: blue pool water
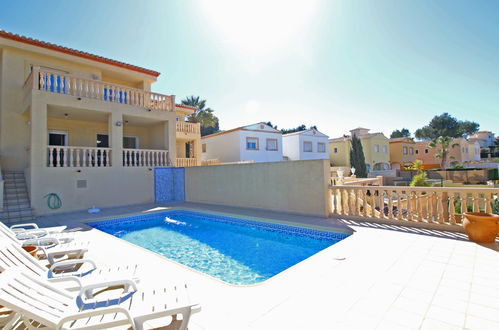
237	251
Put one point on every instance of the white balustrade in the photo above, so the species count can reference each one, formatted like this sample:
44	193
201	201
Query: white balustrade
95	89
145	157
186	127
62	156
186	162
435	205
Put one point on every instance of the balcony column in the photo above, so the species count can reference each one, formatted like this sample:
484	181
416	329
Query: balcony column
170	138
197	151
39	135
115	123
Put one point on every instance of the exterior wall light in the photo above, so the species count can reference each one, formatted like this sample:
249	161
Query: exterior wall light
118	123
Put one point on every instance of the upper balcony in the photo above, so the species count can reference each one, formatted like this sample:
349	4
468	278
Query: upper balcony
61	83
188	128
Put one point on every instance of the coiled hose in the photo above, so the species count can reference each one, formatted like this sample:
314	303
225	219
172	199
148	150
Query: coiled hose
53	201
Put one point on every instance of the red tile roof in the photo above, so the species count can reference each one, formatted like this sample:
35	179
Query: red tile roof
74	52
186	106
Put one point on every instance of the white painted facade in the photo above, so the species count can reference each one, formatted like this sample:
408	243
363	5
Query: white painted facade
257	143
309	144
484	138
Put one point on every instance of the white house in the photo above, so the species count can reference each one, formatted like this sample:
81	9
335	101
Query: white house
309	144
258	142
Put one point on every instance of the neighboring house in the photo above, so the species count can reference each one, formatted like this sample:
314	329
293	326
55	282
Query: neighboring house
484	138
474	151
258	143
84	127
402	152
462	152
427	155
375	146
308	144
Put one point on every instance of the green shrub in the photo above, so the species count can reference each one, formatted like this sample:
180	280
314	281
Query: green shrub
495	206
420	180
457	206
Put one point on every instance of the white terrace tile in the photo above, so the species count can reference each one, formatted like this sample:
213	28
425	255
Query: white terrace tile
374	279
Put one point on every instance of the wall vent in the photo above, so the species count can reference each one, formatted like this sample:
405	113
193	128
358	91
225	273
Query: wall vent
81	183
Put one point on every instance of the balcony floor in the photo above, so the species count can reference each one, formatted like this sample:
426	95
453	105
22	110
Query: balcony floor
381	277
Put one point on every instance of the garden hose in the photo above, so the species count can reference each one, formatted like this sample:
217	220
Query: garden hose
53	201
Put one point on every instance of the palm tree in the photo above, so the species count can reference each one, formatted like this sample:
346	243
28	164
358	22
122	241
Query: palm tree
444	144
204	116
418	166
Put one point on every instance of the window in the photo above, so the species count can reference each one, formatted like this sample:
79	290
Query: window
404	149
376	148
335	150
58	138
417	152
102	141
385	149
251	143
307	146
411	150
321	147
426	151
271	144
131	142
203	147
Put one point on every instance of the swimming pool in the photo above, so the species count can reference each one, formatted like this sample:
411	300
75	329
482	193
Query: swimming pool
234	250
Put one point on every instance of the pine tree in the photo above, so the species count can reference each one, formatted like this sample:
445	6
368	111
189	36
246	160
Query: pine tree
357	159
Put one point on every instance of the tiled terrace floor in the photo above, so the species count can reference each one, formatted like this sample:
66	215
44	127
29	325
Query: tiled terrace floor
381	277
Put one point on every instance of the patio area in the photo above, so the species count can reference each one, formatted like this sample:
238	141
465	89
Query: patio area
381	277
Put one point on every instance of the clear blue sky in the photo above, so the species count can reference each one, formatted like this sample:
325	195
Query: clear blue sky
383	64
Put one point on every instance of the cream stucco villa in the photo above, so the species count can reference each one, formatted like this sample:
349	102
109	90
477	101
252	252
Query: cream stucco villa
84	127
375	146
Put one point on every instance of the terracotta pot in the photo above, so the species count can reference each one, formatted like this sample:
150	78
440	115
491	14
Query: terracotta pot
481	227
31	249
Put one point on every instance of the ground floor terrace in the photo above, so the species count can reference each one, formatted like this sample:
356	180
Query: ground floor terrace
380	277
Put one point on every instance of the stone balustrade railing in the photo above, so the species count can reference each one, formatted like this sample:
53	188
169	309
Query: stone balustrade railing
63	156
186	127
433	205
186	162
349	181
145	157
95	89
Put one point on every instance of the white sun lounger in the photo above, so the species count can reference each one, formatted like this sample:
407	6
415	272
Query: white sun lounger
36	232
44	243
33	226
34	299
12	255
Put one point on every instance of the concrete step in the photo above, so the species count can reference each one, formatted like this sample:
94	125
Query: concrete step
14	196
13	179
16	207
15	189
16	201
